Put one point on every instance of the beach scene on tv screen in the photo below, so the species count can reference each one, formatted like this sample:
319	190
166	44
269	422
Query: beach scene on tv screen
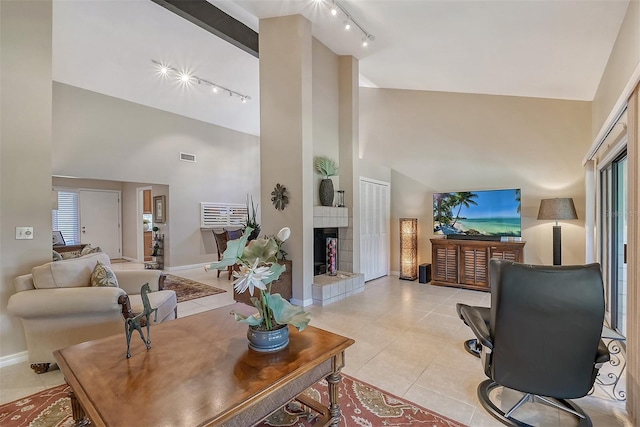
477	213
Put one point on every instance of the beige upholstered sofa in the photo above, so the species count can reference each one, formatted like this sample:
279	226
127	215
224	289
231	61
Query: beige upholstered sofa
59	308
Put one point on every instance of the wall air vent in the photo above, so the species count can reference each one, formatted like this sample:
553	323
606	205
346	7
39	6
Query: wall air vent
186	157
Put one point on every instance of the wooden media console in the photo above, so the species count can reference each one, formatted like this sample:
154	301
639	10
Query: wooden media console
465	263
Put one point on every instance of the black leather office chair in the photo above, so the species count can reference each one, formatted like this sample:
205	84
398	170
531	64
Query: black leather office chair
541	335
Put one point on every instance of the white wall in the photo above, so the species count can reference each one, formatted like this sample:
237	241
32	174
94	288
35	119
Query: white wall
100	137
437	142
624	59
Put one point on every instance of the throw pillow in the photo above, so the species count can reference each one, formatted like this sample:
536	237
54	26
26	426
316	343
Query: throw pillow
57	256
89	250
103	275
70	254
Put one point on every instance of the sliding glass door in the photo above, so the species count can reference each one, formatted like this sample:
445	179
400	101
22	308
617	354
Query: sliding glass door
613	239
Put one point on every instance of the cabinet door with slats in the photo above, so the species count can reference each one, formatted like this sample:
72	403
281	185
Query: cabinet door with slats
507	253
445	259
474	268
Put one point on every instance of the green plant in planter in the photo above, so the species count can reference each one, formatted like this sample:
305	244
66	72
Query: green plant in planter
326	167
252	222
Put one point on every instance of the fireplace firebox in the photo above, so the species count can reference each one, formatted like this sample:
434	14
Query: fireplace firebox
320	236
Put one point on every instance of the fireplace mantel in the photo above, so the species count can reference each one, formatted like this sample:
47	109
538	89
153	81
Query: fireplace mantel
328	216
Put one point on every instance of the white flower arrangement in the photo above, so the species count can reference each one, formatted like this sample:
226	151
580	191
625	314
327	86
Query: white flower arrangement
259	267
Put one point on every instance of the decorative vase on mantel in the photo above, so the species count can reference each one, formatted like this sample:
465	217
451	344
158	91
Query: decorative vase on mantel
268	341
326	192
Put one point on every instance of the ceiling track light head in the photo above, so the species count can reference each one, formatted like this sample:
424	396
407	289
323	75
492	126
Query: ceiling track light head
186	78
368	37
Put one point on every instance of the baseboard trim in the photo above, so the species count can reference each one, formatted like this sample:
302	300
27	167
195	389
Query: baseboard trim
302	303
13	359
186	267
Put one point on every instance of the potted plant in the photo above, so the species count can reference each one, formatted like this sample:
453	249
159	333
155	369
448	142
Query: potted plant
145	224
259	267
326	167
252	222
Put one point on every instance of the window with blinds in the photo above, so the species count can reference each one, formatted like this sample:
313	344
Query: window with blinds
65	219
214	215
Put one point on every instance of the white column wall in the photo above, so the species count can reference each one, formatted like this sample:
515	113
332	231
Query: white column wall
25	151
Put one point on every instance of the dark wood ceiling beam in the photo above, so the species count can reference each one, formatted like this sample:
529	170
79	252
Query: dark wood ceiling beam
207	16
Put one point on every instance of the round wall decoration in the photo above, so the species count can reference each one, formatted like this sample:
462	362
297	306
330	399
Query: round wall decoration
279	197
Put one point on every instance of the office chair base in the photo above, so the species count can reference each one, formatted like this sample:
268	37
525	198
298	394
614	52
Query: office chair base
473	347
485	388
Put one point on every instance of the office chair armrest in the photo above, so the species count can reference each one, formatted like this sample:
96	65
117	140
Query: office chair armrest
472	316
603	355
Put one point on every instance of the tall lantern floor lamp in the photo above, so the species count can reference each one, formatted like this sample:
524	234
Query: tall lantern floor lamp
409	248
557	209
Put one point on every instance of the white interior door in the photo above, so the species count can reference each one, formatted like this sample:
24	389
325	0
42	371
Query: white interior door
100	220
375	216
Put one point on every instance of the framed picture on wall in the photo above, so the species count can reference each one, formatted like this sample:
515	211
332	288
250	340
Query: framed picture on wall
159	213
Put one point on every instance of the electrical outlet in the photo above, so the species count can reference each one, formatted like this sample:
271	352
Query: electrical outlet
23	233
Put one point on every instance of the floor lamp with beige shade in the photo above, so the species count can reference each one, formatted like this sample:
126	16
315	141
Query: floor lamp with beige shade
557	209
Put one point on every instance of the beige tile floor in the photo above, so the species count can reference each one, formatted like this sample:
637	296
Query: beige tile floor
408	342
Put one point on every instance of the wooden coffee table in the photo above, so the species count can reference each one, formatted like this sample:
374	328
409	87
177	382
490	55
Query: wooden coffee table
199	372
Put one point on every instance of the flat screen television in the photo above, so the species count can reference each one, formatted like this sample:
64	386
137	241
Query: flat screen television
489	214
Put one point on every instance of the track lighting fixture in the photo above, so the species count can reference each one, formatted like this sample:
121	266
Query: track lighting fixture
186	78
335	6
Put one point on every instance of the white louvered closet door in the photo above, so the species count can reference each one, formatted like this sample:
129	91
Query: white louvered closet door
375	216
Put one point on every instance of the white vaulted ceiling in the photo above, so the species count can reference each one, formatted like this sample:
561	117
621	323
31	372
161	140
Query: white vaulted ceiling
533	48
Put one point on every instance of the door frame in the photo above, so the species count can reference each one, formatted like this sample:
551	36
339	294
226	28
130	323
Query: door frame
387	243
98	190
139	227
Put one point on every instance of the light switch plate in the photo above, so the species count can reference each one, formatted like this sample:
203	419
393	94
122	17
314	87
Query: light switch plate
23	233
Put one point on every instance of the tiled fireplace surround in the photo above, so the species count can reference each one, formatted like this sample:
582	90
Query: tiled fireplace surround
327	289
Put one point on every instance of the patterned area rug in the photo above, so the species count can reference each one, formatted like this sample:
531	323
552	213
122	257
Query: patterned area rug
362	405
187	289
49	408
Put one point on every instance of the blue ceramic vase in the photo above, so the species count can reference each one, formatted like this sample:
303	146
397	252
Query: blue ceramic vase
268	341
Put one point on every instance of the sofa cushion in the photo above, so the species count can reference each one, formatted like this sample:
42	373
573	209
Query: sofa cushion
69	273
103	275
164	301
